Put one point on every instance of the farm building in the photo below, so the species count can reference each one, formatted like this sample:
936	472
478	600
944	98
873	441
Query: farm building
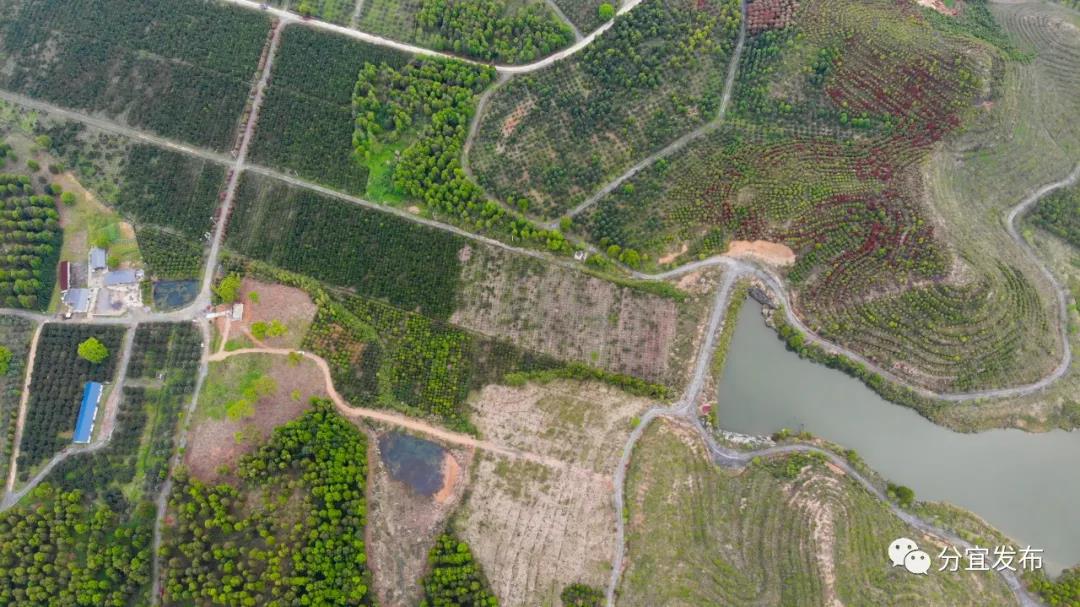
64	274
122	277
98	259
84	426
77	300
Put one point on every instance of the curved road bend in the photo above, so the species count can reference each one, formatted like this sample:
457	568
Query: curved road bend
287	17
681	142
684	411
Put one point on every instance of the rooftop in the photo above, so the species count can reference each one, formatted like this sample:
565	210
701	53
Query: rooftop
84	426
122	277
78	300
98	259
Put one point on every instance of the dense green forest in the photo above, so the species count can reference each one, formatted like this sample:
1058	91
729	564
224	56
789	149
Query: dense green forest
1059	214
31	237
486	30
289	532
181	69
455	578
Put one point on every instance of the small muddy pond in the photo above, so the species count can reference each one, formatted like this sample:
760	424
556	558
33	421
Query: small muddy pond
414	461
1024	484
174	294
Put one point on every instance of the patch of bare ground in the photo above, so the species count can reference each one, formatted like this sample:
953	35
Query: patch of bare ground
402	524
213	443
570	315
291	306
536	528
772	253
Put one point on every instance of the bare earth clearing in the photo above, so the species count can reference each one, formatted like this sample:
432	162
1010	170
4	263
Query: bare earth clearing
402	525
536	528
291	306
217	442
772	253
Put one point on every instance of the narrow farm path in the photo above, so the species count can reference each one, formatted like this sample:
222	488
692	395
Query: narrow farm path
681	142
24	398
554	6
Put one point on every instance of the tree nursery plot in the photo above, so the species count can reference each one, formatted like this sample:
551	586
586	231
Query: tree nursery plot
378	255
170	189
56	387
311	109
553	137
587	15
31	237
181	70
500	31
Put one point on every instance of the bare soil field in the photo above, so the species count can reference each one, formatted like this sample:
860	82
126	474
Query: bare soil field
536	528
402	525
291	306
772	253
216	442
574	316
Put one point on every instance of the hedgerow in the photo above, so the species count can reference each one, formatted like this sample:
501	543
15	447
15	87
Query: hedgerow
183	71
379	255
306	550
31	236
56	387
170	189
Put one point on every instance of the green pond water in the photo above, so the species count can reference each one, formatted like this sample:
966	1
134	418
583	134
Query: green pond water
1024	484
413	461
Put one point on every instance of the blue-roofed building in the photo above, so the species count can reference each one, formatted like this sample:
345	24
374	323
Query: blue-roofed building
84	426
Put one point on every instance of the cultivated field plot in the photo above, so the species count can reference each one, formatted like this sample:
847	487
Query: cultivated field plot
182	70
836	109
534	527
32	237
500	31
170	189
56	387
311	110
791	531
375	254
573	316
15	335
555	136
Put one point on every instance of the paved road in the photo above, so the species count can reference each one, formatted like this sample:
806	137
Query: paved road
287	17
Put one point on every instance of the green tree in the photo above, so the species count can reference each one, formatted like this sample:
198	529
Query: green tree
5	360
228	289
93	350
580	595
606	11
67	198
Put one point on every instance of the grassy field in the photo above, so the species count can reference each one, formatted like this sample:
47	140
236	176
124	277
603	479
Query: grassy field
790	532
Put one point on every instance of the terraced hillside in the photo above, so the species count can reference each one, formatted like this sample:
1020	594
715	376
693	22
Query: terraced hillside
789	531
553	137
837	110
